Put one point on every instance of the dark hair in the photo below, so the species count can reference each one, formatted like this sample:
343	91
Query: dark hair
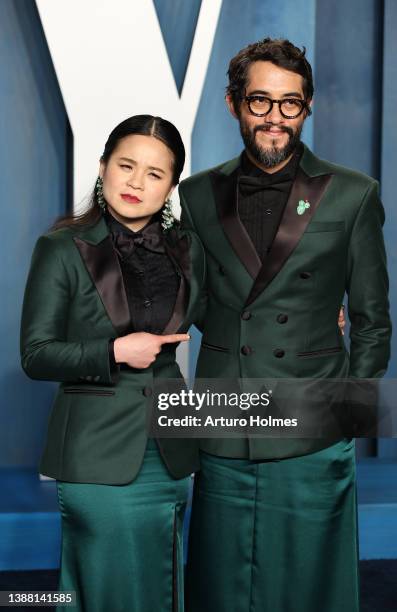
280	52
144	125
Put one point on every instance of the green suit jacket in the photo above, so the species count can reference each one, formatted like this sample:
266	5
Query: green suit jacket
279	319
74	303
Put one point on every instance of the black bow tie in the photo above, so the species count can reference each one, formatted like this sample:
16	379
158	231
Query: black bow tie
248	185
126	241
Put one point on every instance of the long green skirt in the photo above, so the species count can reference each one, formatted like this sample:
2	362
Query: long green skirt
122	548
275	536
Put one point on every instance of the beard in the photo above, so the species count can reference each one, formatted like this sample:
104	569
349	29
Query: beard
269	156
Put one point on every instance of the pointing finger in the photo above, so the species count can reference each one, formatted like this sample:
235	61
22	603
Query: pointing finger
171	338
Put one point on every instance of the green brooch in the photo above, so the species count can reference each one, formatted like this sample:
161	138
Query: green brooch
302	206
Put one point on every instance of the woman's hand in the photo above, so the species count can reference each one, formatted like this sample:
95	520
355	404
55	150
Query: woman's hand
341	320
139	350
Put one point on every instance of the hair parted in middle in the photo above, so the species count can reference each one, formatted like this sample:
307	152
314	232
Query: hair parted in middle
280	52
142	125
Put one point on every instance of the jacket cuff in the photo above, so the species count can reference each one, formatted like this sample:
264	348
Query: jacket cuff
114	368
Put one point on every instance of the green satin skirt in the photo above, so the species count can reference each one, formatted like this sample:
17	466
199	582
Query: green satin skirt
122	548
275	536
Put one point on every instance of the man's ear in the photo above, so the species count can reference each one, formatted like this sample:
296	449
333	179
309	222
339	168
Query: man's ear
230	105
309	103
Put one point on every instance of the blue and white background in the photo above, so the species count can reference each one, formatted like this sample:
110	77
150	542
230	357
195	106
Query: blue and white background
70	71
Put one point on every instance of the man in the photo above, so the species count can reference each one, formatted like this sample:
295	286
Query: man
274	525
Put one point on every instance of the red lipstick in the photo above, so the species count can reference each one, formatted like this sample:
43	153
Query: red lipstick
131	199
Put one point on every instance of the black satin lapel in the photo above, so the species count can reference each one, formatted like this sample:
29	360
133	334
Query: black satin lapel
104	268
180	309
225	193
291	227
179	252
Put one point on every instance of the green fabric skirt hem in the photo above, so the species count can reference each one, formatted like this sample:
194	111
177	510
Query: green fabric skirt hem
275	536
122	545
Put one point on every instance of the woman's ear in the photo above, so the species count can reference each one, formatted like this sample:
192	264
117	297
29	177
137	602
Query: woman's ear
102	167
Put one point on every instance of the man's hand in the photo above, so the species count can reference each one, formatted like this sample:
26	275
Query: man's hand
341	320
139	350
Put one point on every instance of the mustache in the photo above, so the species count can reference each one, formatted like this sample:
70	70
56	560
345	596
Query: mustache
267	126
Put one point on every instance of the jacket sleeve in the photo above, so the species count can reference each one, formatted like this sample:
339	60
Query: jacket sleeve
187	224
367	288
186	218
45	352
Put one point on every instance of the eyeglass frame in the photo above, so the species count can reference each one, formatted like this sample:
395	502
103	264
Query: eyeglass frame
304	106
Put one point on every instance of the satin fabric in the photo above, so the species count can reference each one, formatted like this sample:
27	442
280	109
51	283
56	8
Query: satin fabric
149	274
122	547
262	197
125	240
275	536
251	185
97	431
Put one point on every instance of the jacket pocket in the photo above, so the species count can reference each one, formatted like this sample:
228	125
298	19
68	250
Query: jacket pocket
78	391
325	226
325	351
214	347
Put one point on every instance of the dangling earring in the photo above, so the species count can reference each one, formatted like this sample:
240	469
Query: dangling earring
167	218
99	194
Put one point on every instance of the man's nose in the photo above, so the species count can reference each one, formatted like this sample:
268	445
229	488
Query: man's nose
274	116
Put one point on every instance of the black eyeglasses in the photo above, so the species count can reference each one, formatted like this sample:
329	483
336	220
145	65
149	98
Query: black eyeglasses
290	108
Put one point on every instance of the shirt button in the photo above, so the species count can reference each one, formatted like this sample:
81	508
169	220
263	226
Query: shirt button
282	318
147	303
305	275
246	315
246	350
147	392
278	353
268	211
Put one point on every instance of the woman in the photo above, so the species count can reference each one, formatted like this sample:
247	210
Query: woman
109	295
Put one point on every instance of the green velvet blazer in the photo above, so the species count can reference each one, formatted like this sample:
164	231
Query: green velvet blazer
279	319
74	303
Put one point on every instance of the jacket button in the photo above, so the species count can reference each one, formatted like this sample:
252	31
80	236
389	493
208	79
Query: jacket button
278	353
147	392
282	318
246	350
222	270
305	275
246	315
147	303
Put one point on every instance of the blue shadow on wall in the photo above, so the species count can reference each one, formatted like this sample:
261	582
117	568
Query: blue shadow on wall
35	147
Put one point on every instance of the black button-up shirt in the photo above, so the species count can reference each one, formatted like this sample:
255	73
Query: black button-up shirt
150	279
262	198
